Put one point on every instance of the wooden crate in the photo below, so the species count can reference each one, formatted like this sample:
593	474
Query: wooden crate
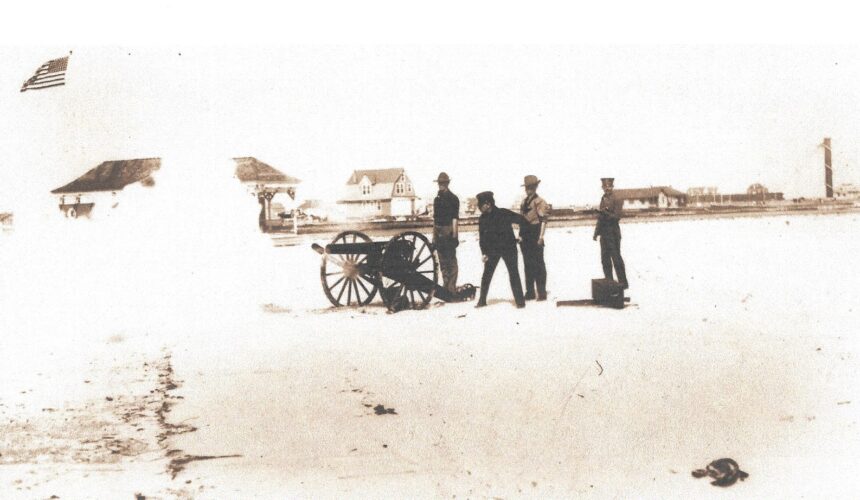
607	293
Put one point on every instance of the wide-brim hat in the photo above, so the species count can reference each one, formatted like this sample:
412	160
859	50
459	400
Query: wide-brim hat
443	177
484	197
531	180
607	181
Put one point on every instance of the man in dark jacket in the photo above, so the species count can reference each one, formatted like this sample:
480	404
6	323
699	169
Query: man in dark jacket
497	241
609	232
446	215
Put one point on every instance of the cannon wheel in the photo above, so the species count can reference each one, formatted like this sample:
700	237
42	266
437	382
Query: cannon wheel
342	278
418	259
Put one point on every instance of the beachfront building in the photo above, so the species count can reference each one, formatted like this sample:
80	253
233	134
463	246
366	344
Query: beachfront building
847	191
379	193
274	190
756	194
702	196
99	186
654	197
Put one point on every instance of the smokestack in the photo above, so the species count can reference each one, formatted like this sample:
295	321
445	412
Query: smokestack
828	170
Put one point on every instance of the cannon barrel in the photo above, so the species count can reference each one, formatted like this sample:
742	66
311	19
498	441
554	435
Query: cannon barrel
361	248
358	248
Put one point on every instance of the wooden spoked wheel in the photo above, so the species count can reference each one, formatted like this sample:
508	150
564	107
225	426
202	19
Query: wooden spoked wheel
347	280
409	271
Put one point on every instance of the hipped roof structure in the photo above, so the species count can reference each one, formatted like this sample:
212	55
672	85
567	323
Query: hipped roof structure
113	176
252	170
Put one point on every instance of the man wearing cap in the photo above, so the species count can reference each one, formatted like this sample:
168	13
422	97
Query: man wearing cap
609	232
497	241
446	215
535	211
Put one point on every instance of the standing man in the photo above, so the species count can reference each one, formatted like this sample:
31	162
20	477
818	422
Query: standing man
609	232
497	241
446	215
535	211
262	217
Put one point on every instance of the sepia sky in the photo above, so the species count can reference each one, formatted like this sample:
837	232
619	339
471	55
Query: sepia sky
722	115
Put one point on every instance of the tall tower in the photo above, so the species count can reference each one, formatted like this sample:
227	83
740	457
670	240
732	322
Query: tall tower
828	169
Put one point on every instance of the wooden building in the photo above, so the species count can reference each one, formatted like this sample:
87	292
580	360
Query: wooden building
651	198
99	186
379	193
274	190
847	191
756	194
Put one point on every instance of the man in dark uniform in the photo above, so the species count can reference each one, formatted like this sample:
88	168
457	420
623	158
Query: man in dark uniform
535	211
446	215
609	232
262	216
497	241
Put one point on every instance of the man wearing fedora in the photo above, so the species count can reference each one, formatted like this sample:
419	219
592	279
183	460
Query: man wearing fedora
446	215
497	241
535	211
610	233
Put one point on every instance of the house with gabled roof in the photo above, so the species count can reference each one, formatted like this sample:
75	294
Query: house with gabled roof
651	197
100	185
376	193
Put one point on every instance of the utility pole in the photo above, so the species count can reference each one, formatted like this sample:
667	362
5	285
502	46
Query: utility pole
828	169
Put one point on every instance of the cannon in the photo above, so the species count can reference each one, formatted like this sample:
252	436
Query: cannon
403	270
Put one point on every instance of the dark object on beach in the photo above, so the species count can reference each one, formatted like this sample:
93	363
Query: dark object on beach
724	471
404	270
605	293
382	410
466	292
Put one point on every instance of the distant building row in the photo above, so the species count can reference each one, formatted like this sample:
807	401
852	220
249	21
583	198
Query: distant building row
368	194
847	191
668	197
756	194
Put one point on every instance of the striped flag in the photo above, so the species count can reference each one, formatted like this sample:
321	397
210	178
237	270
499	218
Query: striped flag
50	74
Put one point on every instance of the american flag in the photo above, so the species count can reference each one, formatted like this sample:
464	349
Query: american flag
50	74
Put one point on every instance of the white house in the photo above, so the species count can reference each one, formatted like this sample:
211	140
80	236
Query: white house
99	186
379	193
651	197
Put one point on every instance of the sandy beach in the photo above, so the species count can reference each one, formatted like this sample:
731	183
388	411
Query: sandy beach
739	342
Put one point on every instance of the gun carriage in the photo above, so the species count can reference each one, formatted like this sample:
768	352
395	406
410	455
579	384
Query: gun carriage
404	271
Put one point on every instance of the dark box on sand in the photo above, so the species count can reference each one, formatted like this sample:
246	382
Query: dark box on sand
607	293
